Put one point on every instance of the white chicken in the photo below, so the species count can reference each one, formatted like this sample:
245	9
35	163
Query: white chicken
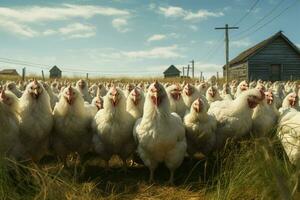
160	135
265	116
10	144
95	106
102	89
135	103
202	88
113	127
176	102
242	87
200	129
36	120
72	125
212	95
289	134
291	101
129	87
226	93
13	88
279	94
82	87
234	117
190	94
53	97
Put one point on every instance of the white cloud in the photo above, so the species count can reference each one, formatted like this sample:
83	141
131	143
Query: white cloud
120	24
78	30
159	37
172	11
178	12
111	55
49	32
17	29
64	12
193	27
202	14
20	20
156	37
157	52
240	43
75	30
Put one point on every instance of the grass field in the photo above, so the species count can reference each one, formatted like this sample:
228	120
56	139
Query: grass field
256	169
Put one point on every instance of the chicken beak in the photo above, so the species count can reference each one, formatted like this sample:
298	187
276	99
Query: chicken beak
2	95
178	96
212	93
36	94
188	92
69	99
155	99
135	100
198	106
293	101
99	105
114	100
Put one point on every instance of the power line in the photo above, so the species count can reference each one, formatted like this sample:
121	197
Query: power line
212	50
216	47
271	20
261	19
73	70
247	13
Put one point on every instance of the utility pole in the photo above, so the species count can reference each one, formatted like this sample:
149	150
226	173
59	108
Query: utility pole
87	76
226	28
193	68
188	70
183	72
43	76
23	74
201	77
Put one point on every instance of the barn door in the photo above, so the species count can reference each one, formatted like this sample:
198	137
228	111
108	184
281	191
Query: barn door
275	72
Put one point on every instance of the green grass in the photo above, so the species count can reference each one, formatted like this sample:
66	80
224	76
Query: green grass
254	169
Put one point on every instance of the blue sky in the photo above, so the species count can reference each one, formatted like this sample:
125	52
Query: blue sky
135	37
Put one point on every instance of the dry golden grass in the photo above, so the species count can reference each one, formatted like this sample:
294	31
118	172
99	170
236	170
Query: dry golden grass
256	169
109	79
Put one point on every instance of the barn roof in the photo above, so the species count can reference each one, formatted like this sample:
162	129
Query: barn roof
9	72
54	68
172	69
242	57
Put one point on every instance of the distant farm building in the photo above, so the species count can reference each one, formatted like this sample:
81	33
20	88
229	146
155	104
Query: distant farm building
172	71
55	72
274	59
9	72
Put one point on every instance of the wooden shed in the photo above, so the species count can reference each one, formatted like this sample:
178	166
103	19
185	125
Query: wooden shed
172	71
55	72
274	59
9	72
